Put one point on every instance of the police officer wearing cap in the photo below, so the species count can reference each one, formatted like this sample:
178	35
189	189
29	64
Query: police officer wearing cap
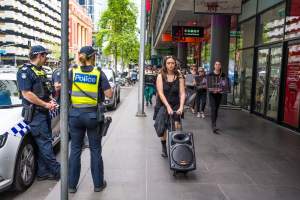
89	85
35	92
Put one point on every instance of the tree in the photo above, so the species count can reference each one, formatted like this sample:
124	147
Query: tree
117	34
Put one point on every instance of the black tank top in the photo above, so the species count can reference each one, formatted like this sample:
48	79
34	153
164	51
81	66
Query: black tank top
171	92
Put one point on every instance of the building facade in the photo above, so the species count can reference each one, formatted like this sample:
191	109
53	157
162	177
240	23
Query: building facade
80	27
24	23
263	52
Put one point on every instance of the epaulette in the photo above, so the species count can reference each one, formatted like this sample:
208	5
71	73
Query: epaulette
25	66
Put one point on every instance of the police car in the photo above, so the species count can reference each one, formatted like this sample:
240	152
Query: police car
111	77
17	149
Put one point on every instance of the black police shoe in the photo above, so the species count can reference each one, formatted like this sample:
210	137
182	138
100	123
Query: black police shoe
101	188
48	177
72	190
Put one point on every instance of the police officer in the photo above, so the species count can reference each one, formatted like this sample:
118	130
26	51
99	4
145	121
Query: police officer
88	84
35	93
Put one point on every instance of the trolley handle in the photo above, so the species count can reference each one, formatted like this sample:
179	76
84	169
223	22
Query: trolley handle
172	121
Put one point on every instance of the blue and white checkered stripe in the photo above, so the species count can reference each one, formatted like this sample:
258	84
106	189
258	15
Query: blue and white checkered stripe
54	113
22	127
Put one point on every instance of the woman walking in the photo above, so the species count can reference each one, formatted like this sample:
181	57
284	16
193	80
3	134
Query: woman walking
201	85
171	93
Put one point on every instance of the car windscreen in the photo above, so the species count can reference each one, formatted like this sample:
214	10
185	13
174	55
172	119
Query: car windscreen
9	95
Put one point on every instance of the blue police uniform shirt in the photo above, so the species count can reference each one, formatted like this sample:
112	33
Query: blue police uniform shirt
104	83
56	76
25	79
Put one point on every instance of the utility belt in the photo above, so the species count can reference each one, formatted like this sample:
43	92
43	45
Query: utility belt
30	110
99	108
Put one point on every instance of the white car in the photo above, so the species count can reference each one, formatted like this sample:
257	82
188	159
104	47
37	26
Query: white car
111	77
17	148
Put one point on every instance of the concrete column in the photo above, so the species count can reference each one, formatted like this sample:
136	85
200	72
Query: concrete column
220	30
182	53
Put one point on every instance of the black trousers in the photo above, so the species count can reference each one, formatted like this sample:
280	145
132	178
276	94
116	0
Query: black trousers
214	101
200	101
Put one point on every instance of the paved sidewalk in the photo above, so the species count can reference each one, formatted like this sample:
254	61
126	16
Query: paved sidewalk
253	159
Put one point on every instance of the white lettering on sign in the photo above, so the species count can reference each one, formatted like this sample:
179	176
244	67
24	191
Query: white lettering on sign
85	78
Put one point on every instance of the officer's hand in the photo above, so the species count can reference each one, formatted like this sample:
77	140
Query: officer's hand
50	106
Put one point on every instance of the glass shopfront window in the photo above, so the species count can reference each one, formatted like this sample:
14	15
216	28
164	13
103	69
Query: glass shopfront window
247	30
271	25
292	27
292	87
243	77
268	81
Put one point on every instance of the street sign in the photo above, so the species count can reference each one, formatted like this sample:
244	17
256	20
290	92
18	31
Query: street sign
235	34
2	52
187	31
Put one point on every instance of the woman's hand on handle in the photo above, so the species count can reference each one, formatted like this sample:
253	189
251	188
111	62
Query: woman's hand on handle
170	110
179	111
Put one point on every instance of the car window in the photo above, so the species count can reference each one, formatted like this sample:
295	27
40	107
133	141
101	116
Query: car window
9	95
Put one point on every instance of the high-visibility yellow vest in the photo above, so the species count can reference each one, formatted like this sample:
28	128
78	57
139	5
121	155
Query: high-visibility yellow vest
88	82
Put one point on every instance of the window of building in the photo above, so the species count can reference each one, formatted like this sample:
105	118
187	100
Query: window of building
248	9
243	78
265	4
292	27
247	30
271	25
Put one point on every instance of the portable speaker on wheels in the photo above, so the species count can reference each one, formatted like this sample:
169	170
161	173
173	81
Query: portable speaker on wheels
181	151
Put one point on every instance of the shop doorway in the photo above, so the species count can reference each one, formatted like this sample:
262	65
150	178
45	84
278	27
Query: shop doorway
267	84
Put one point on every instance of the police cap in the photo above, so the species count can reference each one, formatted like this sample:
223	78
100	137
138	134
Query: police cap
38	49
88	51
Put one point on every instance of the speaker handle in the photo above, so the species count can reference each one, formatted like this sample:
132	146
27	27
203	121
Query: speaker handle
172	121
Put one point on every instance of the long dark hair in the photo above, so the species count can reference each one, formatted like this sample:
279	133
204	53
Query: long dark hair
164	70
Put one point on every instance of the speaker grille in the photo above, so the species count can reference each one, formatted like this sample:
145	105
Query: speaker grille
182	155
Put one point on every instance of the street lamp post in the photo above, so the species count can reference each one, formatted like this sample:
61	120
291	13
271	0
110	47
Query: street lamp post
140	112
64	99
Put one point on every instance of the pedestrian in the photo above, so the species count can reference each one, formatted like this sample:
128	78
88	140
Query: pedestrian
171	93
215	94
191	87
149	90
36	92
133	76
201	87
89	85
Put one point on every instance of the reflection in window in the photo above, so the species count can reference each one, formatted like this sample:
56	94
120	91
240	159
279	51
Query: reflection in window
247	34
274	82
243	78
292	28
260	90
271	25
9	93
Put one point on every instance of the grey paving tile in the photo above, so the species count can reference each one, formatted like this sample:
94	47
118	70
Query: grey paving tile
252	192
275	179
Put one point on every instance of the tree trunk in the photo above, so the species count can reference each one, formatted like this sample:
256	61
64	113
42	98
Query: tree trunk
122	60
116	58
